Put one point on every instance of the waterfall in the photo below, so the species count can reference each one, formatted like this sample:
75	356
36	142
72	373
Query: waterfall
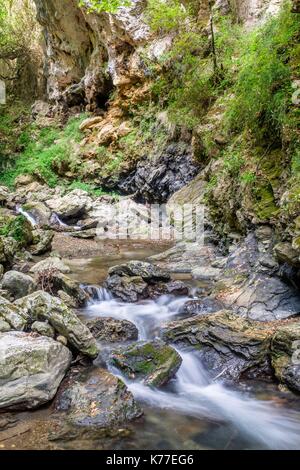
28	216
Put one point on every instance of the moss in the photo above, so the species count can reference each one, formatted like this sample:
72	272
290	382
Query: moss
265	206
19	229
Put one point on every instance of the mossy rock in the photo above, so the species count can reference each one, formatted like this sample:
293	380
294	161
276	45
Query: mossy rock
17	228
152	362
265	206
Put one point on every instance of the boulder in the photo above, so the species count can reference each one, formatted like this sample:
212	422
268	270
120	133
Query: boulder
111	330
18	284
72	205
202	306
48	264
43	329
128	289
42	241
286	254
31	369
152	362
39	211
285	354
12	315
229	344
61	282
95	398
41	306
177	288
8	249
149	272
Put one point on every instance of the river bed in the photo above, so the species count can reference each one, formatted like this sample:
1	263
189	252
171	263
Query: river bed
195	411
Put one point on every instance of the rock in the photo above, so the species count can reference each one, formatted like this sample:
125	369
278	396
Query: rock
150	273
95	398
41	306
42	241
1	272
24	180
128	289
112	330
177	288
157	178
18	284
11	314
61	282
296	6
72	205
90	122
62	339
285	354
206	273
153	362
229	344
260	297
202	306
84	234
4	195
31	369
8	249
286	254
4	326
43	329
52	263
39	211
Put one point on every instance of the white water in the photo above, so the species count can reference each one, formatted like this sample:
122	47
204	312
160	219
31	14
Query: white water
28	216
55	220
194	393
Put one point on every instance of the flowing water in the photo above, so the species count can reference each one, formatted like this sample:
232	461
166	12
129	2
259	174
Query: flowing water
196	411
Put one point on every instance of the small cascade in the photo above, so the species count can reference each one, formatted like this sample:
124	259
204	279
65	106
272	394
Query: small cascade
194	393
97	294
55	220
28	216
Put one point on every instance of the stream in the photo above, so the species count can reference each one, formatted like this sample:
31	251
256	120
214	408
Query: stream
196	411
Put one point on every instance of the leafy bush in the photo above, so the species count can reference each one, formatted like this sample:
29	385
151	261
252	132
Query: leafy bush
263	89
43	148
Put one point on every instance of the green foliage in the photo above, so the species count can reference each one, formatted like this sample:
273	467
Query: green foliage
17	228
108	6
89	188
43	149
165	16
263	89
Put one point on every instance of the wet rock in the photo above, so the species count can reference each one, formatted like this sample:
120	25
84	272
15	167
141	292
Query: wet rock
202	306
285	353
43	329
177	288
150	273
39	211
52	263
31	369
130	281
95	398
84	234
41	306
128	289
157	178
112	330
152	362
229	344
18	284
